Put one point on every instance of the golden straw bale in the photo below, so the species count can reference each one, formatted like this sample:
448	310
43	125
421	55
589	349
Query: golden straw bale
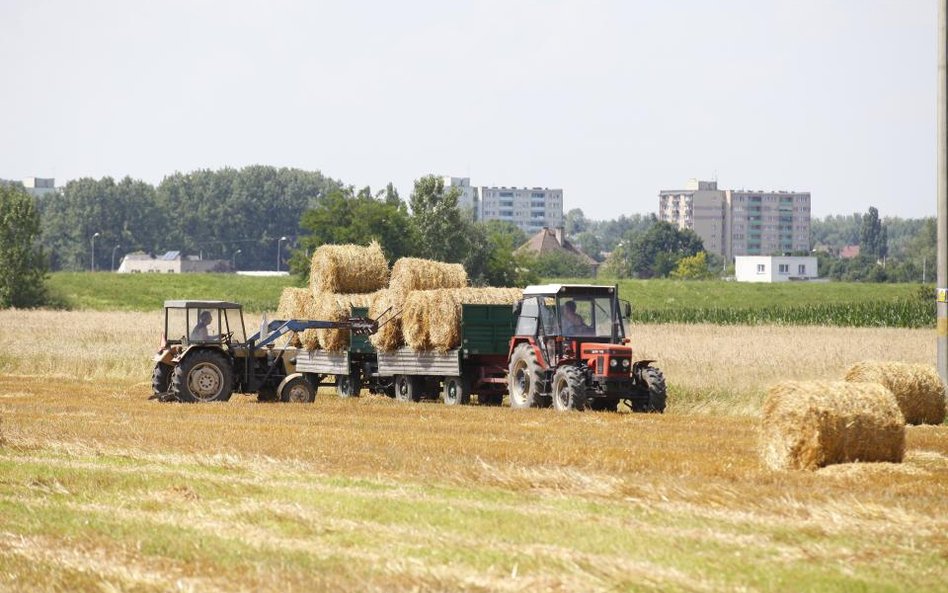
389	336
293	306
432	318
808	425
309	338
917	387
337	307
412	273
348	269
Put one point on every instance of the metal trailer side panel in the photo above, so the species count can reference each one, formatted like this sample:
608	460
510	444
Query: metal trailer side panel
406	361
322	362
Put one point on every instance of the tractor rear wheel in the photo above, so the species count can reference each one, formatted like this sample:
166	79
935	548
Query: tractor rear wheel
203	376
456	391
297	390
524	378
161	381
348	385
407	388
655	384
569	389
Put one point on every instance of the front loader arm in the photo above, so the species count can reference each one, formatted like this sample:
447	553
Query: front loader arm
278	327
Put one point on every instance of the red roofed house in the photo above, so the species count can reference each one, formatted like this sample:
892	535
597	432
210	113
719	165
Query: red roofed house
552	241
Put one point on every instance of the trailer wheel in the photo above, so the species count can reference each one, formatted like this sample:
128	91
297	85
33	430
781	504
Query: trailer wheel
569	389
296	389
161	381
407	388
655	386
348	385
203	376
524	378
456	391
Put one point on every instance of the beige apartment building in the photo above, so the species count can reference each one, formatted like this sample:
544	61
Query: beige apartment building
739	222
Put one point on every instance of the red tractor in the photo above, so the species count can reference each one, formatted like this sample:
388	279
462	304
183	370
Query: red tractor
570	350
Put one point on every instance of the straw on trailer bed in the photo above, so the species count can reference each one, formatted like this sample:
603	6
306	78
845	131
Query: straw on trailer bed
432	318
390	303
293	306
808	425
337	307
412	273
917	388
348	269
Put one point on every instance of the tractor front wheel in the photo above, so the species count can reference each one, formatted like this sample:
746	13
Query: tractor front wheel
524	378
203	376
161	381
653	382
297	390
569	389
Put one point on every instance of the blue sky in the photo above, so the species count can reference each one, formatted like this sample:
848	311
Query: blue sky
610	101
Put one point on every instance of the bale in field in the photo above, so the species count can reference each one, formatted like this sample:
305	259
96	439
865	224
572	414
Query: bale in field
309	338
389	336
808	425
348	269
917	388
337	307
411	273
432	318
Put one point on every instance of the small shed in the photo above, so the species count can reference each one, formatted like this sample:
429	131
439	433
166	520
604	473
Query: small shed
775	268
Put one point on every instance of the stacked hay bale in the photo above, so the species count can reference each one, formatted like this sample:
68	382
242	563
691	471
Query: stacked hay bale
808	425
337	307
410	275
917	388
432	318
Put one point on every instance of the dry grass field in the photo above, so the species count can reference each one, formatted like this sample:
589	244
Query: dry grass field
102	490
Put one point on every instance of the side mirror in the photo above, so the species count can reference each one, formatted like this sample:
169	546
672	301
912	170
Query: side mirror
518	306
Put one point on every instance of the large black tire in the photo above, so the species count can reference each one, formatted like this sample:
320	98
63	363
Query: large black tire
655	384
569	389
297	390
407	388
456	391
161	381
348	385
203	376
524	378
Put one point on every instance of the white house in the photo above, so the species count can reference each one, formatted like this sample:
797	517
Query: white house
171	262
774	268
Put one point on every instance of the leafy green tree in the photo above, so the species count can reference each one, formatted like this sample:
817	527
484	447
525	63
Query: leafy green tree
437	221
22	261
504	266
872	235
692	267
561	265
656	252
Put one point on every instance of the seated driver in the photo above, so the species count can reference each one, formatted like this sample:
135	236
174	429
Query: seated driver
573	324
200	333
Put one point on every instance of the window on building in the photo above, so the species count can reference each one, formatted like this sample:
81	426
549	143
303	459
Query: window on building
801	269
761	268
783	268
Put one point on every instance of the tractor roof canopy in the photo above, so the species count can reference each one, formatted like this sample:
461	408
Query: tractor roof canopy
564	289
187	304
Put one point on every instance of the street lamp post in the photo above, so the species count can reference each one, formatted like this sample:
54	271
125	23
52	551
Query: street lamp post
93	250
113	257
234	260
279	244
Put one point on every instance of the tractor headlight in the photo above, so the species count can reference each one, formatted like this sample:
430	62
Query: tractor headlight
625	363
613	363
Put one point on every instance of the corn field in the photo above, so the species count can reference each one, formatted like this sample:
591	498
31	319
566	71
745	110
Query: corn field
909	313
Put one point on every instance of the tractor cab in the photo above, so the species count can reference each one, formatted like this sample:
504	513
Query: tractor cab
189	322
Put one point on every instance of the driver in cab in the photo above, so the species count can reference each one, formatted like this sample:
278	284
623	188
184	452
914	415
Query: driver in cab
200	333
573	323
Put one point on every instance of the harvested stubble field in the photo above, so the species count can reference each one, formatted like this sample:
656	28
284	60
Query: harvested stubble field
101	490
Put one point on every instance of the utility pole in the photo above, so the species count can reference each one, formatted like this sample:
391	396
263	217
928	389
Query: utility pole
942	194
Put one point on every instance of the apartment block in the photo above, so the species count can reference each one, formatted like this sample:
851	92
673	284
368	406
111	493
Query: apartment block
531	209
739	222
468	197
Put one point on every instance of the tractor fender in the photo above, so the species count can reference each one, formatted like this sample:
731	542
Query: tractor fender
287	379
639	365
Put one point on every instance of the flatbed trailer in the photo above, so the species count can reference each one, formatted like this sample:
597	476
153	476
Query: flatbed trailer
478	367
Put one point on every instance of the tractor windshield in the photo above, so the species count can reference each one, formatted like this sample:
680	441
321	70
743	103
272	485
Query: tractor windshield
586	315
200	324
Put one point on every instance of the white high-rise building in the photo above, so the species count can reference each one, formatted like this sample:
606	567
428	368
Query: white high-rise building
468	197
531	209
739	222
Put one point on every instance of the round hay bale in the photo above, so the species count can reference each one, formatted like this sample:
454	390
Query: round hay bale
348	269
917	388
389	336
412	273
808	425
337	307
309	338
432	318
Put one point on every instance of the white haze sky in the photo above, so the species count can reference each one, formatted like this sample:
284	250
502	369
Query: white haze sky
611	101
